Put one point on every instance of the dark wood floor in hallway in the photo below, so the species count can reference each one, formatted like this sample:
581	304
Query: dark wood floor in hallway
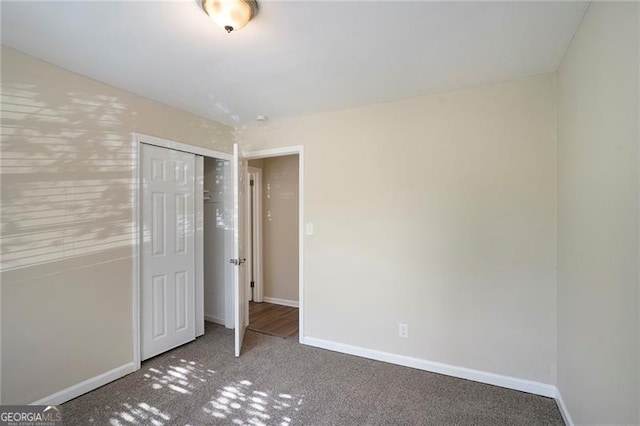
275	320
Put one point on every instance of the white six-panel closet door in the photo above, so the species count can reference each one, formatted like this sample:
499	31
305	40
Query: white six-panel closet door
167	289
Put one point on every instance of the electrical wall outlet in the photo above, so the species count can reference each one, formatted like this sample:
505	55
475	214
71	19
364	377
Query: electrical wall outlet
403	330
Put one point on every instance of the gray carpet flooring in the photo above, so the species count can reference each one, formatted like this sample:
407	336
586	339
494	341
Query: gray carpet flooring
280	382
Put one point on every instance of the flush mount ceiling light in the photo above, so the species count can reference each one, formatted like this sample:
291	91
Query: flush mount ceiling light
232	15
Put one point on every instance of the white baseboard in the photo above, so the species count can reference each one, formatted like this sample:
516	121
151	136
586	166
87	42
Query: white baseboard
211	318
437	367
86	386
563	409
284	302
420	364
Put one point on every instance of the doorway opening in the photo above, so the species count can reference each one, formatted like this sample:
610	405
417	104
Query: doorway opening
190	224
274	244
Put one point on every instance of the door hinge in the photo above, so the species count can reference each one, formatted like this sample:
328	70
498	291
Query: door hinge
237	262
253	284
251	182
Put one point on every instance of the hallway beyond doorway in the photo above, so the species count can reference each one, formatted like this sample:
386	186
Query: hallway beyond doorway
274	320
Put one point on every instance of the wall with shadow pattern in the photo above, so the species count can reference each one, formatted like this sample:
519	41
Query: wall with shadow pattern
66	169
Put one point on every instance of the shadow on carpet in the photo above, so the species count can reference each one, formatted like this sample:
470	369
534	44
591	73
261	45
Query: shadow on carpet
280	382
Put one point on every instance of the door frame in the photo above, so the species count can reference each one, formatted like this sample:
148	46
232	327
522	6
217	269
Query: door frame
137	139
254	256
279	152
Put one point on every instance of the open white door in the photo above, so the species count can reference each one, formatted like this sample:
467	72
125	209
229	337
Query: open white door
241	317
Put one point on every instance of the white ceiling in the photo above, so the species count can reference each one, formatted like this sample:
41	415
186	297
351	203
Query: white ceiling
295	57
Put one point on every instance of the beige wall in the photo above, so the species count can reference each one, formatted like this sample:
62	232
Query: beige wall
66	221
258	163
280	227
598	330
437	211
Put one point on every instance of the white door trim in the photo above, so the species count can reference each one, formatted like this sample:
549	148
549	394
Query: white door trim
178	146
199	242
136	239
255	254
277	152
